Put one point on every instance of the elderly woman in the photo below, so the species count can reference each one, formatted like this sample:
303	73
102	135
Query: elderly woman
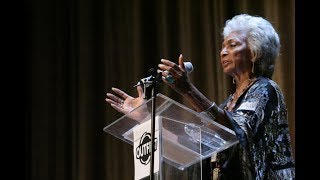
256	111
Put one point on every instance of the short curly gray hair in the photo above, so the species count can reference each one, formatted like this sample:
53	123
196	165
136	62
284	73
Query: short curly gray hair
262	40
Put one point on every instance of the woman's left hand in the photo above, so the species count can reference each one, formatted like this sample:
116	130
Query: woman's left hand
175	75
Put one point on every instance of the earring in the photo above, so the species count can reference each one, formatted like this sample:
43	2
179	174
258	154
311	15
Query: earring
252	70
233	81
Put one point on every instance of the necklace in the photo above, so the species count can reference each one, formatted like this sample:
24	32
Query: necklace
235	96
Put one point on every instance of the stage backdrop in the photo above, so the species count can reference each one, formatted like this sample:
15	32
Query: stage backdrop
79	49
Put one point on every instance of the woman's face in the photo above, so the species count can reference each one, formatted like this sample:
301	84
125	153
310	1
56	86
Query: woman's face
235	55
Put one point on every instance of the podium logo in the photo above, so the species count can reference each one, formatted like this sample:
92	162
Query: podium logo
143	150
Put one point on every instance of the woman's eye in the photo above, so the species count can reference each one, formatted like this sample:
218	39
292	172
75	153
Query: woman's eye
233	45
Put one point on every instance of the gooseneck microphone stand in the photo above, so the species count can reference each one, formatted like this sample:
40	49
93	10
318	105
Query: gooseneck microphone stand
153	114
152	82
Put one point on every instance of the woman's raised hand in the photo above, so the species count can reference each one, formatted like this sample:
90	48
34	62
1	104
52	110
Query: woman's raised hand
175	75
124	103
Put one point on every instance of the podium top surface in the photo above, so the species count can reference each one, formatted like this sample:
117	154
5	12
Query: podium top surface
187	136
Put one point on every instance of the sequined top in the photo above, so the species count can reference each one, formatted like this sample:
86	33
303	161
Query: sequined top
259	120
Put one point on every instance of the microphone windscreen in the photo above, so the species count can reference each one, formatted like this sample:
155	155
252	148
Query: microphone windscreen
188	67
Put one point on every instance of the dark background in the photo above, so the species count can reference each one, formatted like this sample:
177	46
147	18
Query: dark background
78	49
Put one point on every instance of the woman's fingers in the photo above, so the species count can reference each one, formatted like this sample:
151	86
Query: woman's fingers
140	91
120	92
115	99
122	102
110	101
163	73
118	108
169	66
181	62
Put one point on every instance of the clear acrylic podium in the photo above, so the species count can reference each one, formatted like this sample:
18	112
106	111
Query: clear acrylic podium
185	139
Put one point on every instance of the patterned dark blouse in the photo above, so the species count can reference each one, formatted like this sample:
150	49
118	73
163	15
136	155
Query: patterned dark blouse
259	120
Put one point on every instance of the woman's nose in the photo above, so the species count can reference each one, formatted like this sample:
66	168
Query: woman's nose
223	52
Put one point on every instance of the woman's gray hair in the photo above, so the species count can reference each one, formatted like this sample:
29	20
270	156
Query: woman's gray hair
262	39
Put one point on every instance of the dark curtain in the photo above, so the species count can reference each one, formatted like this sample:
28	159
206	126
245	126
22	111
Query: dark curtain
79	49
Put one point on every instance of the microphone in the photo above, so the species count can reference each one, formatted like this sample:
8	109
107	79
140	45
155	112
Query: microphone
188	67
148	80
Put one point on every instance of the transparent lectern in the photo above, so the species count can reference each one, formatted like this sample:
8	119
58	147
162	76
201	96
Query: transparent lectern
186	137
